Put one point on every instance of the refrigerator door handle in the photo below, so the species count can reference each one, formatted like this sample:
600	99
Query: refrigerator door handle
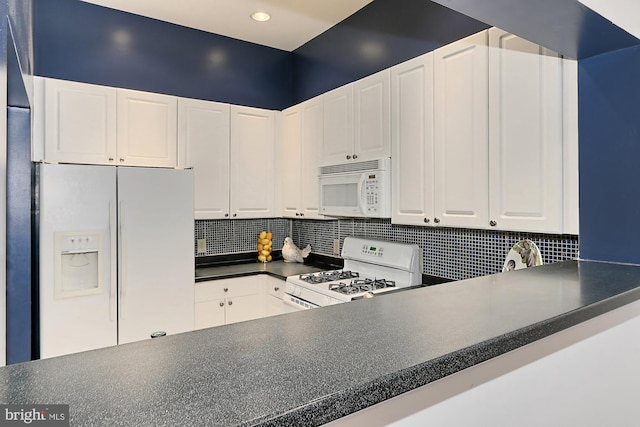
113	251
122	257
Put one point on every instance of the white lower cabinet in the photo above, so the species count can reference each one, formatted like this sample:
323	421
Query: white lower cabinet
226	301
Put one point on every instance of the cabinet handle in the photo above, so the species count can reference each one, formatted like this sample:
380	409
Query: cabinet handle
436	220
493	223
226	289
355	156
348	157
276	289
426	220
230	302
221	304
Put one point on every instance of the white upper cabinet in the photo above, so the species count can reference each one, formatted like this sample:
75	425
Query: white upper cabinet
203	141
337	145
90	124
461	133
75	122
289	148
372	123
526	135
252	188
147	129
300	143
412	141
357	121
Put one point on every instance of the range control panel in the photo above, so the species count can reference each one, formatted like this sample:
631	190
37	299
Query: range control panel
372	250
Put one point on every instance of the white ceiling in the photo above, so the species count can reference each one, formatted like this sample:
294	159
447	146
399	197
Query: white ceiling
292	23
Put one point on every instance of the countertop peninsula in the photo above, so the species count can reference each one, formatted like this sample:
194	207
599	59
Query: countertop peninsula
314	366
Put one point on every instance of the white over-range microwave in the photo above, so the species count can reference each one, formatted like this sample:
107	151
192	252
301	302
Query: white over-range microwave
358	189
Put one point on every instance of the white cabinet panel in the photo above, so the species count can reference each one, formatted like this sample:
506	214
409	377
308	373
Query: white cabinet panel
209	313
337	145
526	135
461	133
412	141
570	146
226	301
372	122
252	193
79	122
147	129
203	141
290	147
299	156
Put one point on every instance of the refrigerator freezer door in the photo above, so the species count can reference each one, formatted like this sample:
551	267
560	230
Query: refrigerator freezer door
156	253
77	224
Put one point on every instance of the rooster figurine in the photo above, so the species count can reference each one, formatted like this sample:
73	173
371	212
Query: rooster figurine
291	253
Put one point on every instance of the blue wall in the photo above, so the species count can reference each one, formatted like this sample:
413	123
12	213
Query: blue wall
382	34
609	106
88	43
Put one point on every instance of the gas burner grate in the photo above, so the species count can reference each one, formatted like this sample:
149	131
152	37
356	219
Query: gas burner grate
361	285
328	276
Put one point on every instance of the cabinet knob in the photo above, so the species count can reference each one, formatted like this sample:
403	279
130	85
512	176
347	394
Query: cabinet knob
221	304
426	220
226	215
121	159
235	215
301	214
436	220
226	289
276	289
493	223
230	303
297	214
111	159
355	156
348	157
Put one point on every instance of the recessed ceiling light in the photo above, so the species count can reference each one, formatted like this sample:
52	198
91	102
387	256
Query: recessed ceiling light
260	16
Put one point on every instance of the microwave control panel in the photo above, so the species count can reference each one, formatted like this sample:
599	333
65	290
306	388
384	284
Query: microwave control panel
372	192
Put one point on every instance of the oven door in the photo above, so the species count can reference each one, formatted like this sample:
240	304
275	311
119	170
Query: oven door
297	303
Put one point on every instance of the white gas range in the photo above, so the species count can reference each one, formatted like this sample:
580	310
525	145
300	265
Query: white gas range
370	267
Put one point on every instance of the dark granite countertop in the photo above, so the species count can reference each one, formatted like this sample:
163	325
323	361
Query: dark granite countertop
278	269
304	369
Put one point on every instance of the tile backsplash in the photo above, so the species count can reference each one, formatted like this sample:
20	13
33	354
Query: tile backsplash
453	253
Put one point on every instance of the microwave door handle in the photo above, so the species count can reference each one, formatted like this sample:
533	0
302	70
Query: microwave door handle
362	191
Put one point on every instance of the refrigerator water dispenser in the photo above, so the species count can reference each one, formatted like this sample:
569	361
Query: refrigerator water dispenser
78	264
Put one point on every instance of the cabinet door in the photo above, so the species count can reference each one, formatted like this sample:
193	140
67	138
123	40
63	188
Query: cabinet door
289	167
525	133
461	133
252	159
337	141
210	313
570	222
80	122
147	129
372	122
311	112
412	136
247	307
203	140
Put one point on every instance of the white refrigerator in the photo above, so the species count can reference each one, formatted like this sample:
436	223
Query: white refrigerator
116	255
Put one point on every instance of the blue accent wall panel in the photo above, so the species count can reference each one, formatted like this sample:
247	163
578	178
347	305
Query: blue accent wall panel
88	43
382	34
19	285
609	117
565	26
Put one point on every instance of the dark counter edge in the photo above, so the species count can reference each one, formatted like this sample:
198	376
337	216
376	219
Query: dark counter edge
346	402
315	260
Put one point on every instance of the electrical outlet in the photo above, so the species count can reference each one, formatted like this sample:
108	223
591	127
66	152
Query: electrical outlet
202	246
336	246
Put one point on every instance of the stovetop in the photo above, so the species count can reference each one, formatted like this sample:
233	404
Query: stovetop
343	285
361	285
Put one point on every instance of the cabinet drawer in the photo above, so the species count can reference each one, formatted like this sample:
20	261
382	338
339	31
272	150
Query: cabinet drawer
226	288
